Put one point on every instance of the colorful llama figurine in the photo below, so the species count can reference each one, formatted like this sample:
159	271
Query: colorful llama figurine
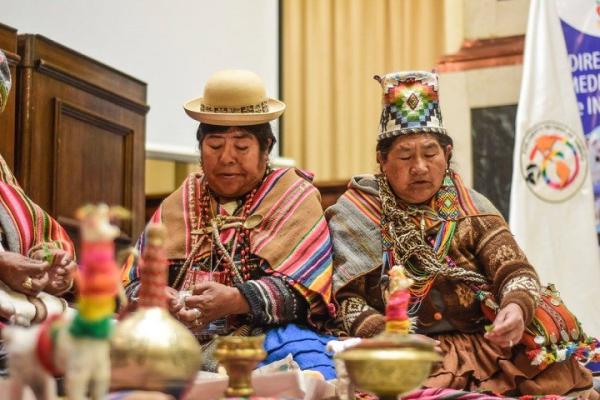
78	347
88	360
396	310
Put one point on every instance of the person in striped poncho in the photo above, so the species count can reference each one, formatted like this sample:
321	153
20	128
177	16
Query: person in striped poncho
248	246
36	254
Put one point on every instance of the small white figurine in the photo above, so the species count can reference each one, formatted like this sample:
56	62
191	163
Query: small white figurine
81	343
30	362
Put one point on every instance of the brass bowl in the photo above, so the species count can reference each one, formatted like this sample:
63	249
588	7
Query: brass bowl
151	350
390	364
239	355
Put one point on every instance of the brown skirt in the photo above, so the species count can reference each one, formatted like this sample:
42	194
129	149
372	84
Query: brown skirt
473	363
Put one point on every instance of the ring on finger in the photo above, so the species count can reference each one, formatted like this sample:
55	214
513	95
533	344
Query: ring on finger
28	283
197	321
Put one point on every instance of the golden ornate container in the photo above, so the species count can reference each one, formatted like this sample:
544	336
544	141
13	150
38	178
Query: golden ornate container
150	350
239	355
389	364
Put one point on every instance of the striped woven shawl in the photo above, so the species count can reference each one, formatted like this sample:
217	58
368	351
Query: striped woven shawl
25	224
355	224
293	236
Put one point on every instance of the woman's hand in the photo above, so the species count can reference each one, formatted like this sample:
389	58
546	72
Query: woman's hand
174	302
508	326
190	317
215	300
23	274
62	269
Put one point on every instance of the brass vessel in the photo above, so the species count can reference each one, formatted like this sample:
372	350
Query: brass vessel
151	350
239	355
390	364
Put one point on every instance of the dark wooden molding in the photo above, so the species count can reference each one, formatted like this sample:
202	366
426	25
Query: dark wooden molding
331	191
13	58
484	53
8	28
8	40
24	127
64	107
8	119
64	50
58	73
332	185
61	108
152	203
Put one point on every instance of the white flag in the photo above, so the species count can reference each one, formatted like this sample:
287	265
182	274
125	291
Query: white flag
551	201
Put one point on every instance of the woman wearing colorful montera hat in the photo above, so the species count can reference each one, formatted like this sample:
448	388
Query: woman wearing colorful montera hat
248	245
474	292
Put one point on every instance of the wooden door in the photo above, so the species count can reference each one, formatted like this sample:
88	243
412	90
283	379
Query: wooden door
82	125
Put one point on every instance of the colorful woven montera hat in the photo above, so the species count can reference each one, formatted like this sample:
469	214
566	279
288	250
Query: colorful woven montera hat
4	81
410	104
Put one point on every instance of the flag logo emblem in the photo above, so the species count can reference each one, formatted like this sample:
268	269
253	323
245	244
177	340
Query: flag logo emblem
553	161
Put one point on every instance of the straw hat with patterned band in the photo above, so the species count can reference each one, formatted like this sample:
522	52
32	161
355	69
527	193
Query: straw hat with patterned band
410	104
234	98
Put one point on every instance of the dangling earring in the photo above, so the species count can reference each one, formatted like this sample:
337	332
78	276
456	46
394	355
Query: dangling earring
448	169
447	181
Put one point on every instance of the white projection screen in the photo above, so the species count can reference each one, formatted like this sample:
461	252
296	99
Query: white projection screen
172	45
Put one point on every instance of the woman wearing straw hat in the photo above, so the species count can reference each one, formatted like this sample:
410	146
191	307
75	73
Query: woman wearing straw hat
459	252
248	245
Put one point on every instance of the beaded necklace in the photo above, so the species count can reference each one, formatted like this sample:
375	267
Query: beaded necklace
405	244
209	225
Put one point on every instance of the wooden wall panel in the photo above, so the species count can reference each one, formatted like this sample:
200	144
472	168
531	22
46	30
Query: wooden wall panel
8	44
105	153
82	127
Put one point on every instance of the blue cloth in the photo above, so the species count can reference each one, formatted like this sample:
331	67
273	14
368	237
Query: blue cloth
306	346
594	367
